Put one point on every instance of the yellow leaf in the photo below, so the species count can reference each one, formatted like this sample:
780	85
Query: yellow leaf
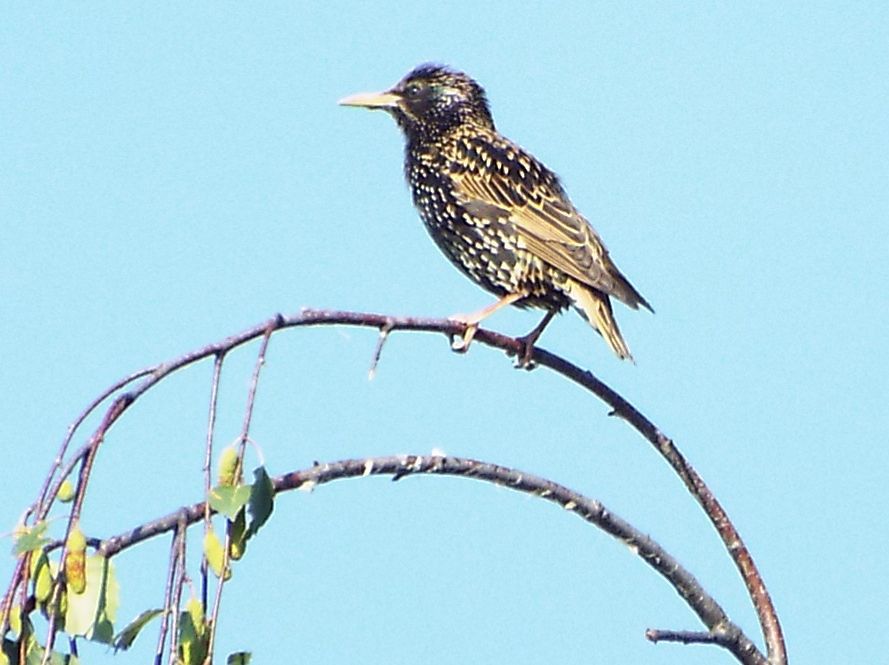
75	560
228	467
215	554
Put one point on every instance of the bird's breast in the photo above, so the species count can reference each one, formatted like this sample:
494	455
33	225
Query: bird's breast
477	238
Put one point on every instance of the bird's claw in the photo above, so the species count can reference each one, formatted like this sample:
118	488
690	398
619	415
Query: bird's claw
525	357
461	344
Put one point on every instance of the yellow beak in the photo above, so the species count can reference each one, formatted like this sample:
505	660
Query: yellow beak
371	100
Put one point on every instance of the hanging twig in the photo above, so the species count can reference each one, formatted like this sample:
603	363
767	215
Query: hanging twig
181	576
378	350
208	463
172	570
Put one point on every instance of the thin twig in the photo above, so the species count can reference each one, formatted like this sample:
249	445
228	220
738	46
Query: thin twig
254	383
385	329
41	505
181	576
19	574
43	502
242	446
217	601
208	461
684	637
172	567
117	408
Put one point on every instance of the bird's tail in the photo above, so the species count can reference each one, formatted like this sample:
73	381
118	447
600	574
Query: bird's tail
596	308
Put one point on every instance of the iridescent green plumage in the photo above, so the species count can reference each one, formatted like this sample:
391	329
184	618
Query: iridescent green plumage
496	212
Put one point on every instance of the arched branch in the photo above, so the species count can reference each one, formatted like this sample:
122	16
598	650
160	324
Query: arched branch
664	445
722	630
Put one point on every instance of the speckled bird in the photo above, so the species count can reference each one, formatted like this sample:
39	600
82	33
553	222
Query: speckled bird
496	212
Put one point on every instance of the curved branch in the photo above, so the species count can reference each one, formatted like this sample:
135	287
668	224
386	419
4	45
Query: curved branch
737	550
723	631
735	546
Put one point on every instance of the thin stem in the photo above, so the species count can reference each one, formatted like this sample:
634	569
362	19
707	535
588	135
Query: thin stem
41	505
217	601
114	412
181	529
208	462
172	567
378	350
251	395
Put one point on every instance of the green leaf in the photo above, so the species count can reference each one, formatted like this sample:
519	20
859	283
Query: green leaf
125	638
262	500
237	536
34	655
192	634
239	658
41	576
91	614
30	538
229	500
196	614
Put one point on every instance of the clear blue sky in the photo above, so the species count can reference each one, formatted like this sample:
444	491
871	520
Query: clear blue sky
172	173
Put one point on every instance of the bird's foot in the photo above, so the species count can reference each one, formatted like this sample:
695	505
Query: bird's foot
525	357
471	321
461	344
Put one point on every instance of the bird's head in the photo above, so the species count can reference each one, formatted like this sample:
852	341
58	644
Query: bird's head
430	100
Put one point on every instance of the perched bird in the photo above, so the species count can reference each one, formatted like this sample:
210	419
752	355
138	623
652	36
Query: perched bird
495	211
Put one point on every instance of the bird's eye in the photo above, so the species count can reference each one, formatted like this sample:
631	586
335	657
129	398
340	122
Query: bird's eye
412	90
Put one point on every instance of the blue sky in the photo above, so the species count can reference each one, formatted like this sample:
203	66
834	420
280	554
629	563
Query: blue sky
172	174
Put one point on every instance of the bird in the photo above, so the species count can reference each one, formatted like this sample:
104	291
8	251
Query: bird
499	214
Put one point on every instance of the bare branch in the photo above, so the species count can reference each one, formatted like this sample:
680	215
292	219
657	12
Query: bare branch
41	505
684	636
739	553
378	351
729	635
254	383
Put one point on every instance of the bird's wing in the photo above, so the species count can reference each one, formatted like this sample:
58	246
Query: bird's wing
548	225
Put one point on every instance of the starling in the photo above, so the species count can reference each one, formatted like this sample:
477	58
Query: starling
495	211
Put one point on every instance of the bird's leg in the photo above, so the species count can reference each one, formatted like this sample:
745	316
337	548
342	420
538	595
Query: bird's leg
472	320
528	341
